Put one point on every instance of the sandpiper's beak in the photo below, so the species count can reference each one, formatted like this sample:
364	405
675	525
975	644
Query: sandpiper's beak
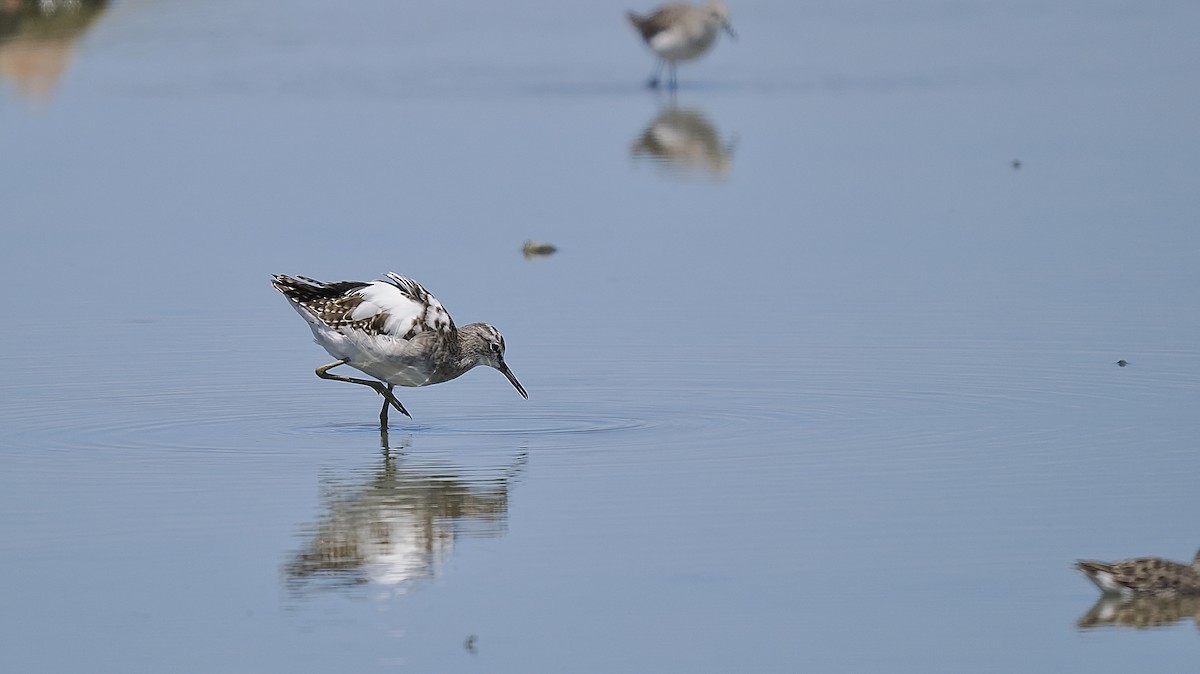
729	29
513	378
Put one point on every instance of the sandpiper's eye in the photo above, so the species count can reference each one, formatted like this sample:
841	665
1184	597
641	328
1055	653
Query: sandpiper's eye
495	347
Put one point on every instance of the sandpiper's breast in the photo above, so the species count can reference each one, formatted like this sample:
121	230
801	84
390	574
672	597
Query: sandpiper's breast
679	48
396	372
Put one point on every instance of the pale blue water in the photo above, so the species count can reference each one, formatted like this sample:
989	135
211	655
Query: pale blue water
832	387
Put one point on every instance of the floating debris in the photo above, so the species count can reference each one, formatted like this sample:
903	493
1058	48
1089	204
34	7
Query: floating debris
1122	362
469	644
1016	164
534	249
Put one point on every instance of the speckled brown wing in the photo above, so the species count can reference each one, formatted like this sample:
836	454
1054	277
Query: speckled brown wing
329	303
652	25
394	306
1148	575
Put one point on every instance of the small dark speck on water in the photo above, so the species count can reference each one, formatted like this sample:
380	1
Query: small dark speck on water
1122	362
469	644
1016	164
533	249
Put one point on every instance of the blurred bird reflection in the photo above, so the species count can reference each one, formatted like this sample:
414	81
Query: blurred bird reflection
399	525
1141	611
683	141
37	41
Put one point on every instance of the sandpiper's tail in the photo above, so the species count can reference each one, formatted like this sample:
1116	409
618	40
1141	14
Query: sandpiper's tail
301	289
1104	575
642	24
321	304
1091	568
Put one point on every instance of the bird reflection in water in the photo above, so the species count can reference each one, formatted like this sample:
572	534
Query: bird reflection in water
399	526
1141	611
683	141
37	41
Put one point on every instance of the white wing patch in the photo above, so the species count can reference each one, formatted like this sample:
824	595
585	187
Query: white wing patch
1108	583
667	41
405	307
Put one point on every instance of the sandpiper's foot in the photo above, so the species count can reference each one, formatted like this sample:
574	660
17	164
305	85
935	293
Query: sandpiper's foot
390	399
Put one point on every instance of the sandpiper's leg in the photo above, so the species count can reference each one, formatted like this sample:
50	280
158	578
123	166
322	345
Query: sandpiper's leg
323	373
653	82
672	84
383	412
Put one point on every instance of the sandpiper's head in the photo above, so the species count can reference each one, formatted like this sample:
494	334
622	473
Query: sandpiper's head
718	16
488	345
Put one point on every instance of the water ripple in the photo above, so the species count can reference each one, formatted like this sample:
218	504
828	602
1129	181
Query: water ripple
490	424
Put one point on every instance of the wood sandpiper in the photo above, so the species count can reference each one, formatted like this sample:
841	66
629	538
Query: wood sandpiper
394	330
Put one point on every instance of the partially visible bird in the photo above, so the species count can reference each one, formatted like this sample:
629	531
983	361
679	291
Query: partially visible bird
394	330
1146	575
679	32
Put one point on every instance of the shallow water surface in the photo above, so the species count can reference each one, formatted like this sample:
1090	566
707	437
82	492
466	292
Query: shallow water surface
822	373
